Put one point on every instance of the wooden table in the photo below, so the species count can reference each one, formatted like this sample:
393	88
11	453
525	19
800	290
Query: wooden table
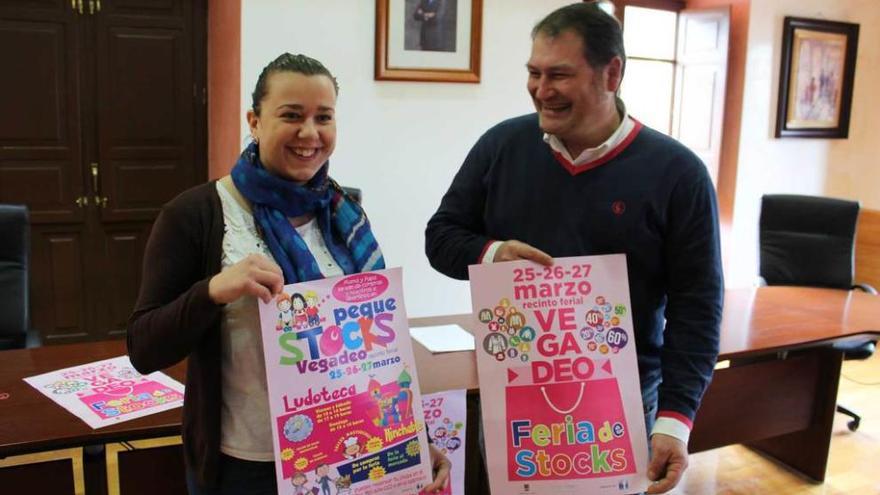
778	394
756	321
32	423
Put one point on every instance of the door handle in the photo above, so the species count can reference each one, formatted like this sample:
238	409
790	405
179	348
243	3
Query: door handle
96	189
80	6
82	201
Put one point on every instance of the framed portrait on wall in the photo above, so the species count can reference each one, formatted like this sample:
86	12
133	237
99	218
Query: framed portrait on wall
816	78
428	40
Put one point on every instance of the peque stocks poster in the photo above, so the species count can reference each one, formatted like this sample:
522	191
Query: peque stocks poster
343	389
446	418
557	363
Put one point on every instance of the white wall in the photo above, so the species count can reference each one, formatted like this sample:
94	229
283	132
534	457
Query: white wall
400	142
832	167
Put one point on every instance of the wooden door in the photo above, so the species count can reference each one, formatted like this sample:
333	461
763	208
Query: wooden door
107	123
146	102
41	153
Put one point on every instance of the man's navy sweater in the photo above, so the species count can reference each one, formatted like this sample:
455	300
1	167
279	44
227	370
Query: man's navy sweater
653	201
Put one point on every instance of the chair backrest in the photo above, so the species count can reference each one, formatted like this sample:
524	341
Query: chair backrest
14	247
807	240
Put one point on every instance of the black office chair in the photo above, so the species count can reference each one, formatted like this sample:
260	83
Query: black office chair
15	332
809	240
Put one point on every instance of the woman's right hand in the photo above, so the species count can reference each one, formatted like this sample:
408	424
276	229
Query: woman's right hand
255	276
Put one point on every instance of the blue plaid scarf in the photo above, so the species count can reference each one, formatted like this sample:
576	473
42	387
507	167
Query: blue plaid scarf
343	224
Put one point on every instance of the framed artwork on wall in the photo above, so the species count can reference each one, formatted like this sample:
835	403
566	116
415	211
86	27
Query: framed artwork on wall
816	78
428	40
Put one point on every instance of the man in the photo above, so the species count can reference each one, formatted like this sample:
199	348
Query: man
581	177
430	13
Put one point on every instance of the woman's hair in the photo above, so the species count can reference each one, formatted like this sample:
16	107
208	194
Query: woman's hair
300	63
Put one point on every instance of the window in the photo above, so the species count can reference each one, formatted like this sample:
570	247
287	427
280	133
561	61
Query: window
649	37
676	71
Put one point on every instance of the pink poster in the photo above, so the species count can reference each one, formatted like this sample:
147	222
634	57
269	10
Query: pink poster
110	391
446	418
344	395
559	382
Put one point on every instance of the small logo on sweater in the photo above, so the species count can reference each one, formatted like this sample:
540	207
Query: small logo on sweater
618	207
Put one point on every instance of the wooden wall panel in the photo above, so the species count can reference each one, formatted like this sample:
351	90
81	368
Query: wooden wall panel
868	248
58	291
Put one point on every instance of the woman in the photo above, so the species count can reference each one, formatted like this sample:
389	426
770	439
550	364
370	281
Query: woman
278	218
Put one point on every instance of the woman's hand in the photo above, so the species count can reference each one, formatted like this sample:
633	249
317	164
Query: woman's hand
255	276
441	466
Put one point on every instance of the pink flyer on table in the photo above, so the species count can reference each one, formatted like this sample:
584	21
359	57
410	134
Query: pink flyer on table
559	382
110	391
446	418
344	395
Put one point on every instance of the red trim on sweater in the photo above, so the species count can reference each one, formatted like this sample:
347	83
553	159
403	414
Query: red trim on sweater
483	252
577	169
677	416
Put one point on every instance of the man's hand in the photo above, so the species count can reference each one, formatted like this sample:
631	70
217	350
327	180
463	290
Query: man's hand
255	275
441	467
669	459
515	250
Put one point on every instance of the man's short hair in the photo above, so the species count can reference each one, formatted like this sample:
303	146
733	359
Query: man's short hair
600	31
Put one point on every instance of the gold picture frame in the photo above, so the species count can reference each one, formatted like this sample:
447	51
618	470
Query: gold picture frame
816	78
428	40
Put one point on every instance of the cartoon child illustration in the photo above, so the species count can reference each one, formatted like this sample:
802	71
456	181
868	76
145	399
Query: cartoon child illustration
312	308
299	483
352	448
386	405
285	317
298	303
343	485
375	388
322	477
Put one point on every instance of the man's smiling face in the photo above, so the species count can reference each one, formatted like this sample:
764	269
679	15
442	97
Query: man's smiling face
570	96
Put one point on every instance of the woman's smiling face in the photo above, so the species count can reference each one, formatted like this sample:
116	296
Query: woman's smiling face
296	127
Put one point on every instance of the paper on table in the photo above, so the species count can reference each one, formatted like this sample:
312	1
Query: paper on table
110	391
443	338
